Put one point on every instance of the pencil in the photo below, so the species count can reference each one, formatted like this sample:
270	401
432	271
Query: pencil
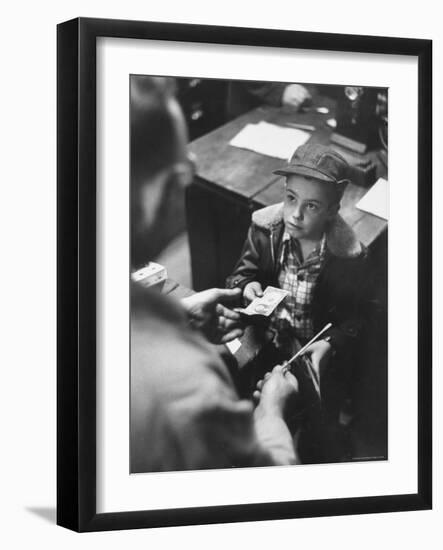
314	378
306	346
308	127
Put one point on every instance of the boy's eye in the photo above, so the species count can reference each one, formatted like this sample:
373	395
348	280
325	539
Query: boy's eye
312	206
290	198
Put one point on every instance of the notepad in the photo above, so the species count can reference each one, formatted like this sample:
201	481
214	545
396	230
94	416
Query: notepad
376	200
269	139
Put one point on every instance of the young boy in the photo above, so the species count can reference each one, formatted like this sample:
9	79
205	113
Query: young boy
305	247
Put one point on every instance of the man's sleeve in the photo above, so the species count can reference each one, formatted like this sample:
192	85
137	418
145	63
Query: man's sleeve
224	432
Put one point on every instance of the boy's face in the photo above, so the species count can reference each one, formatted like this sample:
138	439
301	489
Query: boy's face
308	206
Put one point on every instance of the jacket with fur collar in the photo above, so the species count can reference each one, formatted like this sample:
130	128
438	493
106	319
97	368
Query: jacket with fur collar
342	293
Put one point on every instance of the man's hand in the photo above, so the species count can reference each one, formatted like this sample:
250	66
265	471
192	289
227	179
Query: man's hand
295	95
320	353
206	312
251	291
275	391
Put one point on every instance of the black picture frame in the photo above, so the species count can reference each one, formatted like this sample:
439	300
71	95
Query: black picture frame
77	248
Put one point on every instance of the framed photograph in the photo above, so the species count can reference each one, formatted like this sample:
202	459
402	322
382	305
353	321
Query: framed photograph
244	274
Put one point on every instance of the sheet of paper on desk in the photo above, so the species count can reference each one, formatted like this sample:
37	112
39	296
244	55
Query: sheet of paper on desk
376	200
270	139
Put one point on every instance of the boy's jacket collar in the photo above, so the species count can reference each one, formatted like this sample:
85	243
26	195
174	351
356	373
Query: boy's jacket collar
341	240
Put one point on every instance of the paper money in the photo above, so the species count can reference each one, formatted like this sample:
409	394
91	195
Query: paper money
267	303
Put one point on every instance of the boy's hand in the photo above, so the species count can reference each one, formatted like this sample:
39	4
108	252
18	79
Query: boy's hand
251	291
320	353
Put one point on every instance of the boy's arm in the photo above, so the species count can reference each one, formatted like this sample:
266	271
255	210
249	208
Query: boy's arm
344	335
268	92
346	332
247	267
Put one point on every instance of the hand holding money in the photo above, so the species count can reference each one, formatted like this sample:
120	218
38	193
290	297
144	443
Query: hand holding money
209	312
251	291
266	303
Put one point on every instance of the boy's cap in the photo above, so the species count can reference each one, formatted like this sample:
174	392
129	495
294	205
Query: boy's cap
317	161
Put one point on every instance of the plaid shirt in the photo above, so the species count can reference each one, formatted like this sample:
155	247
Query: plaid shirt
292	321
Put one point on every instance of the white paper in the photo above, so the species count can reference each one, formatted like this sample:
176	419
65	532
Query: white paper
270	139
233	346
376	200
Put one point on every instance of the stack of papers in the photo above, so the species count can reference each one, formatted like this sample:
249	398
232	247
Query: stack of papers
269	139
376	200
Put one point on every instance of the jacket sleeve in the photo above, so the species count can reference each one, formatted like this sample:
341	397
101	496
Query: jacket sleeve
205	426
247	268
350	325
345	335
270	93
185	411
225	431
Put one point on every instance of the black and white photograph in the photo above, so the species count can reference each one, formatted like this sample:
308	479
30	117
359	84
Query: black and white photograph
244	274
258	273
222	275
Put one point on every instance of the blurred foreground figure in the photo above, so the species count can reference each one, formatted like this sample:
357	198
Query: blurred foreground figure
185	413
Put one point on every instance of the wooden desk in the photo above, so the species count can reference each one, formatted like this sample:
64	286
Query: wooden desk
233	182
